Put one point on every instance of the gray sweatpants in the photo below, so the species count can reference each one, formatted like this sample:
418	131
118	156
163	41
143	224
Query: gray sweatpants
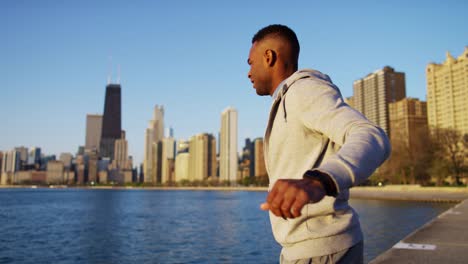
352	255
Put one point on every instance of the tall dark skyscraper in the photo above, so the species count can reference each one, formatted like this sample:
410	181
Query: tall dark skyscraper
111	120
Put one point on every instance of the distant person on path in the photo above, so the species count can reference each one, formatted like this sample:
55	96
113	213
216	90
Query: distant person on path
316	148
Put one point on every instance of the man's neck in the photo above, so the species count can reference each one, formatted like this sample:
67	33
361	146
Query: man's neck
279	79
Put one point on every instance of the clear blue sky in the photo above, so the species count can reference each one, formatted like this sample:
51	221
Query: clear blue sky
190	56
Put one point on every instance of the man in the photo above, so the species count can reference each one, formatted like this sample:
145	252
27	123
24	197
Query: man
316	148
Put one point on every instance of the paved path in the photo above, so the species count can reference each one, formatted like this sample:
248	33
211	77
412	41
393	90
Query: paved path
411	193
443	240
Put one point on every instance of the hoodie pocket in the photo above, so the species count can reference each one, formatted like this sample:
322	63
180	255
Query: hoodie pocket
329	217
320	215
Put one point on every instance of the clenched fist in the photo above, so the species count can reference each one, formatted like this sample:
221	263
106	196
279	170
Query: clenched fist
287	197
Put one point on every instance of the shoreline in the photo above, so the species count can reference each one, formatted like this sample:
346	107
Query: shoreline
411	193
149	188
390	192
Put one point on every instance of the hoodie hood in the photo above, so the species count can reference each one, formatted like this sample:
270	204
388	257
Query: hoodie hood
306	73
280	92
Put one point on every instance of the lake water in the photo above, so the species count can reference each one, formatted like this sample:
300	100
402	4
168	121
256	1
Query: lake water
148	226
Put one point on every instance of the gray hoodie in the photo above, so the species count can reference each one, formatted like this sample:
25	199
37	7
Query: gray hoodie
310	127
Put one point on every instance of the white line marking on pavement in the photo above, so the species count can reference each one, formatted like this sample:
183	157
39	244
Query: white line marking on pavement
402	245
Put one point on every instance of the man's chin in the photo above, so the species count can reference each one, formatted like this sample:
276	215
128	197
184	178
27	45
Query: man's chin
261	93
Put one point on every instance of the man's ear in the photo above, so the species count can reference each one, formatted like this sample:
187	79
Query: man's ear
270	57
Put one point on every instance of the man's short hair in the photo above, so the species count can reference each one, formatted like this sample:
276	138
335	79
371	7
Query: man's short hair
281	31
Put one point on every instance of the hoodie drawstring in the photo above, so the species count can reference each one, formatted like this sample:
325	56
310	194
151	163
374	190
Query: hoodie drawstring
284	109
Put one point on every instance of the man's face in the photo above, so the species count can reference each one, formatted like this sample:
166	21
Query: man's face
259	73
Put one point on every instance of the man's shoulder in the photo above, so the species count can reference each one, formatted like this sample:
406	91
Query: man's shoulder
311	86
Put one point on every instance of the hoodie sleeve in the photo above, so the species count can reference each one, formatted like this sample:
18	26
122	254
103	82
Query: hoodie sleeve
364	146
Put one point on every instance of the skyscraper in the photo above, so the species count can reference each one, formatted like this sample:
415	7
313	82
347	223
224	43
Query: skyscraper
10	164
111	121
202	152
80	167
121	153
34	158
120	170
182	161
246	164
92	167
373	93
154	134
93	132
447	93
228	148
23	151
168	159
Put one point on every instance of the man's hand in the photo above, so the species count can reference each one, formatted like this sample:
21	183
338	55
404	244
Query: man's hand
287	197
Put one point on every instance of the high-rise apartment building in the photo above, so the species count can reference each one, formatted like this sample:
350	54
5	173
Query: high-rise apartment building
202	151
408	123
228	145
111	120
153	136
447	93
93	132
373	93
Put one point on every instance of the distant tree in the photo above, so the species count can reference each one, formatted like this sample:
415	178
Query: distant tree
212	181
184	182
225	183
439	169
421	155
262	180
196	183
450	146
248	181
408	160
395	169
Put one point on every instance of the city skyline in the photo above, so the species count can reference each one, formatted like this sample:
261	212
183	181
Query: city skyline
191	59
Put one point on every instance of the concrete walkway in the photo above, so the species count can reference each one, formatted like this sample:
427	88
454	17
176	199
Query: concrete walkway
443	240
411	193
